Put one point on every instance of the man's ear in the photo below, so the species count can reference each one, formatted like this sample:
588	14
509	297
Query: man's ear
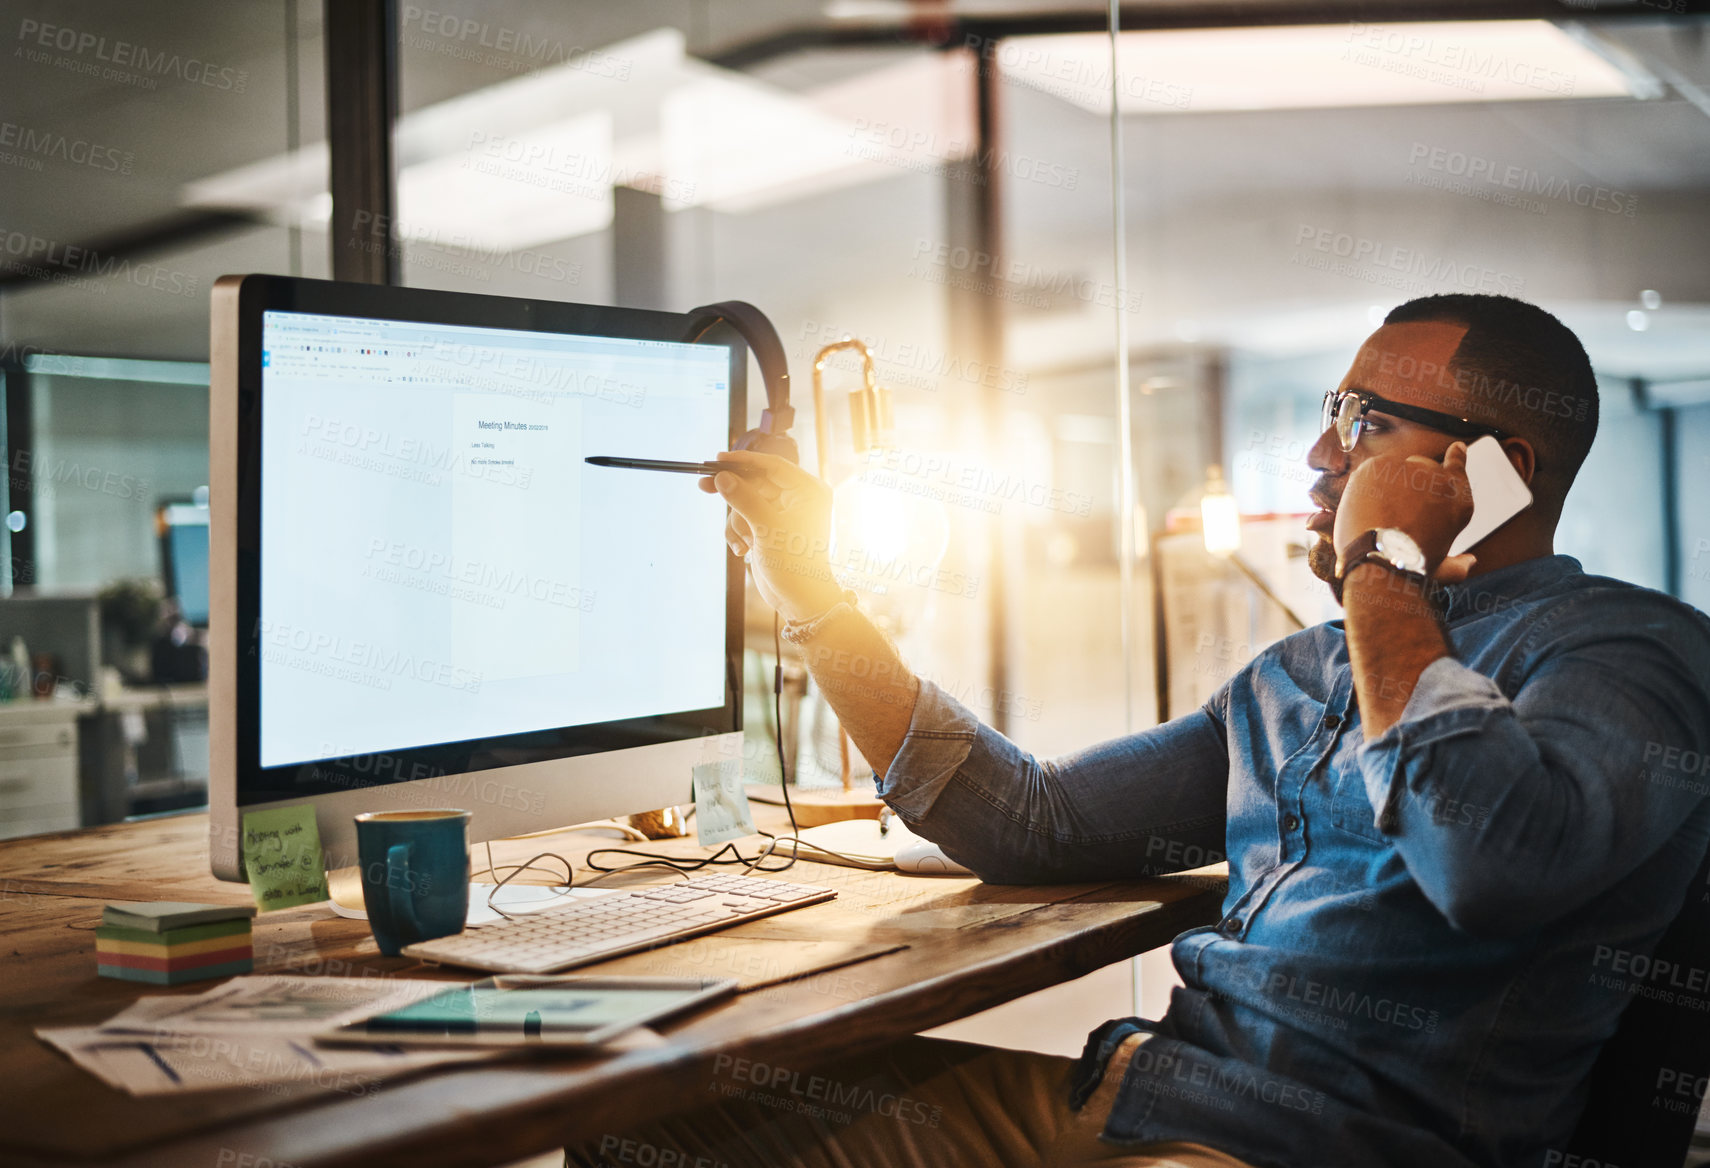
1521	457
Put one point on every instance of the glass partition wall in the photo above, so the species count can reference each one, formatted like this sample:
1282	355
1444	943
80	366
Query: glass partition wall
1104	270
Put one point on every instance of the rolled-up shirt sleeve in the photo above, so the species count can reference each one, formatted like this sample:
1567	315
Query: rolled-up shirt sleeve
1513	812
1141	805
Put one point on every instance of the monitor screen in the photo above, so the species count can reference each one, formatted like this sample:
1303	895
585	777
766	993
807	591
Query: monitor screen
186	538
437	564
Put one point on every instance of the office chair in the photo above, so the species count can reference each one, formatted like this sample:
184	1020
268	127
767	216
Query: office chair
1621	1124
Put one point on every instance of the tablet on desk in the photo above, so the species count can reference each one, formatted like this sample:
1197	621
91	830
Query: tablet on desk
532	1010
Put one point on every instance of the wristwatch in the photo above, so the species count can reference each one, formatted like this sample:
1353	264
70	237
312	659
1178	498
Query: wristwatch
803	631
1388	547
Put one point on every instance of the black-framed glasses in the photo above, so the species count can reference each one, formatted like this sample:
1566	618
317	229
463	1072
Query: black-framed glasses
1345	410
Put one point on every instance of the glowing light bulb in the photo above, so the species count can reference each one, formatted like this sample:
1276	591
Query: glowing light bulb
1220	518
881	536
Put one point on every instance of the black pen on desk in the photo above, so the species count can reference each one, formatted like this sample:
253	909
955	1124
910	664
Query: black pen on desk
669	466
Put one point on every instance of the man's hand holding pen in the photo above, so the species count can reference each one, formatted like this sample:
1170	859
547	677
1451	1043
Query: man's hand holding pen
780	522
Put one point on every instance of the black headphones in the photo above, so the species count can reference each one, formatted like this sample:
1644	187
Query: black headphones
749	323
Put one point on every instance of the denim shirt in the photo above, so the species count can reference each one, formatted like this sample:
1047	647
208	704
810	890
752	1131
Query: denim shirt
1427	936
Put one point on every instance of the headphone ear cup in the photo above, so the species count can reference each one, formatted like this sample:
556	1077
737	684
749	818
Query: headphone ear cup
761	442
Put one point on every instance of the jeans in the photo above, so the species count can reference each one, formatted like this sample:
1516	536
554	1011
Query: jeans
920	1103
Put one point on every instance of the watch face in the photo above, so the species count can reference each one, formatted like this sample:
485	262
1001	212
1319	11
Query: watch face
1398	548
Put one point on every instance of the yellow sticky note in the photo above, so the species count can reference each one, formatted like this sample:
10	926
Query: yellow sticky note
282	857
721	805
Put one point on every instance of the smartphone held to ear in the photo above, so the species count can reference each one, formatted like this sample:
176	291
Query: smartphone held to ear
1498	491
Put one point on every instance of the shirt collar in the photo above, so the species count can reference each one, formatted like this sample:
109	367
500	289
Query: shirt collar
1491	591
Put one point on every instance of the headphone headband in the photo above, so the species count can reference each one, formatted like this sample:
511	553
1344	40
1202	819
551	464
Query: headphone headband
773	434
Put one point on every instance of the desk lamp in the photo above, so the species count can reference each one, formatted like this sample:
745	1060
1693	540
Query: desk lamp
879	522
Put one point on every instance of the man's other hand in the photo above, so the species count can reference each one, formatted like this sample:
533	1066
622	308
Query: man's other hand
780	522
1431	501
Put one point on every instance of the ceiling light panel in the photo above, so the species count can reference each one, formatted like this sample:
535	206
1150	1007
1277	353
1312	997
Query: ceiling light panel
1315	67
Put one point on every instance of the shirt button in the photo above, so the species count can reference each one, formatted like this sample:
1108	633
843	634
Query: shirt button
1331	721
1232	925
1289	823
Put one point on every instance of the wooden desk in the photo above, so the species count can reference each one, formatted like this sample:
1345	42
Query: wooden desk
967	947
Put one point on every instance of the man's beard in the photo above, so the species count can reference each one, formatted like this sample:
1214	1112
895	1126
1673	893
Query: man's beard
1321	555
1321	559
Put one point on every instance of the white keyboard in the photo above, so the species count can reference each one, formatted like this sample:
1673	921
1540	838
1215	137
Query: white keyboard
593	930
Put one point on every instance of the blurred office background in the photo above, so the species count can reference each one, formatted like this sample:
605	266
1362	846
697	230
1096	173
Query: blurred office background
1073	376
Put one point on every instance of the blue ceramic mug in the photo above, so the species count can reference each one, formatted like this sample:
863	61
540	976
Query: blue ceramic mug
415	874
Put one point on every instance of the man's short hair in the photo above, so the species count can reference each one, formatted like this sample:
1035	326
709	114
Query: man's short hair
1524	372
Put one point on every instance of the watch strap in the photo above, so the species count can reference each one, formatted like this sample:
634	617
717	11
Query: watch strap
1364	549
1363	545
801	632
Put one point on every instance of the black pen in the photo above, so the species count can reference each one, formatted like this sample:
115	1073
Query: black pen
694	468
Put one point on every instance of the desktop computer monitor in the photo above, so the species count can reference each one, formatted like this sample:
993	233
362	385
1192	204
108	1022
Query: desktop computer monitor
184	558
422	596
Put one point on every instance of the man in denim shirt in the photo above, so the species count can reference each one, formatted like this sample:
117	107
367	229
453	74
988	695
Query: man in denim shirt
1444	813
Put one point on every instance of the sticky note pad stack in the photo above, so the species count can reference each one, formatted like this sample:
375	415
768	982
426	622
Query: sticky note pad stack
166	942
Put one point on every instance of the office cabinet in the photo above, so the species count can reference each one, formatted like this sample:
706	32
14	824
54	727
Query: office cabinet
38	767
